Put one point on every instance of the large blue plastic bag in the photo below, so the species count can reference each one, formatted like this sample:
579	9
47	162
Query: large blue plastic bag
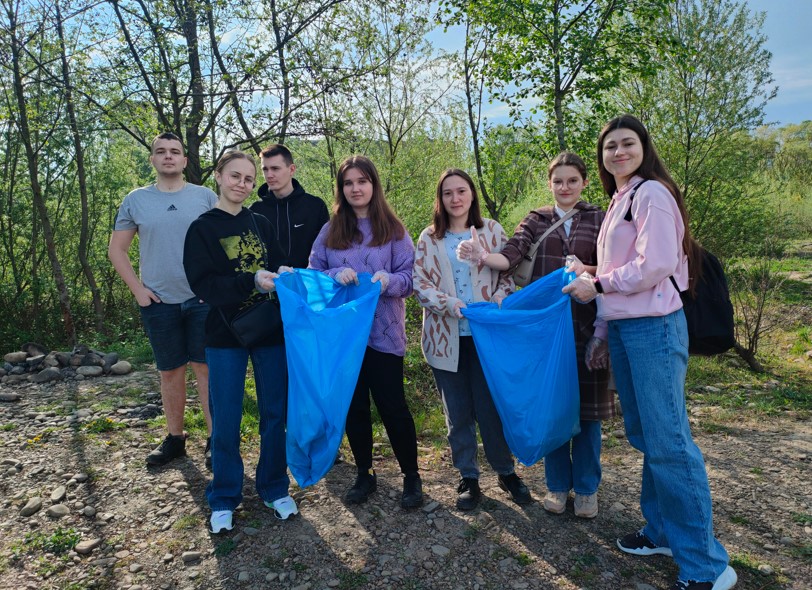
326	332
527	351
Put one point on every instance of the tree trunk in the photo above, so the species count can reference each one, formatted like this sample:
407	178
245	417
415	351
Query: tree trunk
749	357
87	270
33	171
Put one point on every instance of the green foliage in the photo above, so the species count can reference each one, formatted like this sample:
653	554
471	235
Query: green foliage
700	108
59	542
351	580
225	547
100	425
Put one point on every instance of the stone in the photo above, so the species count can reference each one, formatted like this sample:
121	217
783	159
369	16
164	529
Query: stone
190	556
80	477
47	374
243	576
766	569
7	396
57	511
431	507
58	494
167	557
135	568
32	507
92	359
250	531
15	357
85	547
440	551
121	368
89	511
63	358
89	371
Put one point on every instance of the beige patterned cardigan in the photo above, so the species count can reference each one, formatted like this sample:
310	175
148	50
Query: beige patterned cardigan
434	288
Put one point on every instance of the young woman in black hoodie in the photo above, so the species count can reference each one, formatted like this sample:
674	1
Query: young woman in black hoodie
223	259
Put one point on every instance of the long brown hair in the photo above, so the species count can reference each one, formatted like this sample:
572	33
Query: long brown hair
652	168
343	230
441	220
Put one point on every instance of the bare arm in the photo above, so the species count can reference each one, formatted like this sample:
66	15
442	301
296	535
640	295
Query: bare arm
119	254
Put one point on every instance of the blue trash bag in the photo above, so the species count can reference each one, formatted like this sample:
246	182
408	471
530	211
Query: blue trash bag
326	332
527	351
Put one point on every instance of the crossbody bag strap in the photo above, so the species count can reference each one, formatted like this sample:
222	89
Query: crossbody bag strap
531	252
628	216
259	238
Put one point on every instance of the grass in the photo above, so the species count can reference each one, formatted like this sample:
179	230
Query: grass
187	522
736	519
59	542
225	547
105	424
8	427
804	519
351	580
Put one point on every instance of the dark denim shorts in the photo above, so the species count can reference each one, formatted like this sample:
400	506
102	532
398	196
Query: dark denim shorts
176	332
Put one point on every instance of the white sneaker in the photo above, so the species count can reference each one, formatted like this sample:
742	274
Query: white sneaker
586	506
555	502
283	508
222	520
726	580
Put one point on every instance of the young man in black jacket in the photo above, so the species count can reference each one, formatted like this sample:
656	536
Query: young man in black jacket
296	216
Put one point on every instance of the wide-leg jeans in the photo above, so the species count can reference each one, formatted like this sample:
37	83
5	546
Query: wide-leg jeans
227	370
576	465
650	359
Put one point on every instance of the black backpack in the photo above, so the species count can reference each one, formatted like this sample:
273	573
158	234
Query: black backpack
709	313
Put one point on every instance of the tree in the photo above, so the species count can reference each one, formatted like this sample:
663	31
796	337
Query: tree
556	60
701	109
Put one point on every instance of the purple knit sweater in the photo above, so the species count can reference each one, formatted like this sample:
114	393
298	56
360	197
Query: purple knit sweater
388	332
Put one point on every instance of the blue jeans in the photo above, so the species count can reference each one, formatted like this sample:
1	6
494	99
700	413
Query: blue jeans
227	369
649	359
176	332
576	465
466	402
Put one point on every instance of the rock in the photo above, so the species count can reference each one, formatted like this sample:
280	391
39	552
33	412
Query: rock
34	349
89	371
32	507
135	568
190	556
431	507
48	374
108	360
58	494
89	511
617	507
15	357
34	361
63	358
642	586
7	396
57	511
168	557
80	477
243	576
250	531
92	359
85	547
440	551
121	368
766	569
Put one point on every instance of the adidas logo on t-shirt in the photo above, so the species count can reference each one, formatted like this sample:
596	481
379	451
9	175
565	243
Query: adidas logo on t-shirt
172	208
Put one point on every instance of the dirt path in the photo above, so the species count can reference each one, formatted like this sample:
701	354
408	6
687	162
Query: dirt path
148	527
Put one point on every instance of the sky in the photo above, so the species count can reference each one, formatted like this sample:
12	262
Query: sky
787	28
788	38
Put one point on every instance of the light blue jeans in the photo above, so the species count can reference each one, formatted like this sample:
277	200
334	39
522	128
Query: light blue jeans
576	465
227	370
649	359
466	402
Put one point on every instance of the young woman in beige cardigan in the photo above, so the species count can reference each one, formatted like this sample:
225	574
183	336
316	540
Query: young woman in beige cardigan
443	285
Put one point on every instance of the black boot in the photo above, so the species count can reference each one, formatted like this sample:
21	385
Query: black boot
513	484
364	485
172	447
412	491
468	493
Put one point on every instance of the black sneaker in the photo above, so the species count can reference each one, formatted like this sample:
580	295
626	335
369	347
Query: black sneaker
172	447
208	453
639	544
468	493
364	485
726	580
518	491
412	491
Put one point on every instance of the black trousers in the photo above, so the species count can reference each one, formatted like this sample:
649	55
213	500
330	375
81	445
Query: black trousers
382	376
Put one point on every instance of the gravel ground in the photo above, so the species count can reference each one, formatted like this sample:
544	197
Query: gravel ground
65	480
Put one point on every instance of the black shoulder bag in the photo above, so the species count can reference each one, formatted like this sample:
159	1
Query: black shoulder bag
261	320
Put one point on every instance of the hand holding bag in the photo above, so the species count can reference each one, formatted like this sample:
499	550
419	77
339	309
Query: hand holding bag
261	320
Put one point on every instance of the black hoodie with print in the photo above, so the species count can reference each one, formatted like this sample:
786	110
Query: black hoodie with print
220	256
296	220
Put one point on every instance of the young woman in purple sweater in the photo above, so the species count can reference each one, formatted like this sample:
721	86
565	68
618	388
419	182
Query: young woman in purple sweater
365	235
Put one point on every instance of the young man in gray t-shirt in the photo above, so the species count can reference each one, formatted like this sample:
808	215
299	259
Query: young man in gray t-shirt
173	317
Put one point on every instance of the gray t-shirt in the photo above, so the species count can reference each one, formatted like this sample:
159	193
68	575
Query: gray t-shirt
161	220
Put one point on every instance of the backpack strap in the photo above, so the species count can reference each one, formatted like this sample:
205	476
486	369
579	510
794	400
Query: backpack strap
628	216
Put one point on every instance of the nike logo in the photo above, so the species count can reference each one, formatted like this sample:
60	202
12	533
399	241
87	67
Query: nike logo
298	224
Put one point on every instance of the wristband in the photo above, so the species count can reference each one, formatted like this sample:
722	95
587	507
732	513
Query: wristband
598	286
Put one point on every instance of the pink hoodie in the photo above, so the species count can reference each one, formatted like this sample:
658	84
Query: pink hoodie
635	259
